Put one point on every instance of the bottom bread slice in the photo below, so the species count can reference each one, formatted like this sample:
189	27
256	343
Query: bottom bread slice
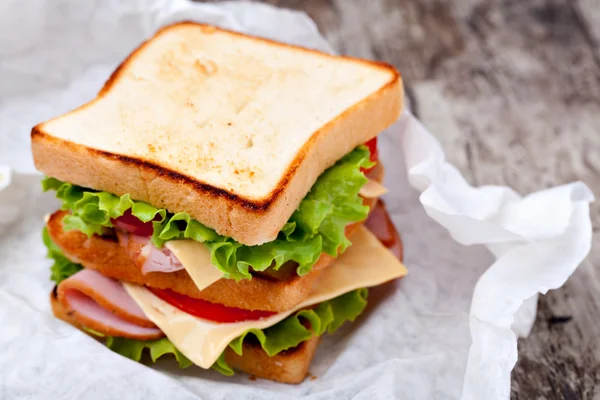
289	366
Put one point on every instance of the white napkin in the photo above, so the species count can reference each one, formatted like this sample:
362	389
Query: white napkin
539	241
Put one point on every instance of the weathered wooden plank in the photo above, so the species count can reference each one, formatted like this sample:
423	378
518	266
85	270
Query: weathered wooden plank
588	12
561	357
512	90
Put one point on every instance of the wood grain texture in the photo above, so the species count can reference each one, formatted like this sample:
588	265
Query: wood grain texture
512	90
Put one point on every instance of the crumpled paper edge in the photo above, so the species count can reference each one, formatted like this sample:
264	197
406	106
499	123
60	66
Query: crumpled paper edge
555	253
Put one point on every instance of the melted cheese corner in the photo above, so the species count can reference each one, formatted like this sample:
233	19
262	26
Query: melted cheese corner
366	263
372	189
195	258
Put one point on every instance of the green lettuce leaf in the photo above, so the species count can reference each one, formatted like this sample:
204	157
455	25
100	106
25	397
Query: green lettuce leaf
317	225
326	317
62	268
134	349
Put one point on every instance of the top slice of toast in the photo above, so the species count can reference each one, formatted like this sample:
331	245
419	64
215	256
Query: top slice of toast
232	129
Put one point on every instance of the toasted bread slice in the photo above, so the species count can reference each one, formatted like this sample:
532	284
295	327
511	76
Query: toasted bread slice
290	366
232	129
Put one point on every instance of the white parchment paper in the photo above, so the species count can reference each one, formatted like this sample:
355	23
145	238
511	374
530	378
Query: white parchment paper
477	257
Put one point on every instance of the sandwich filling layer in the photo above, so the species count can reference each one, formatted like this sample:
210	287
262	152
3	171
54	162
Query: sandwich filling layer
336	298
269	293
163	242
316	227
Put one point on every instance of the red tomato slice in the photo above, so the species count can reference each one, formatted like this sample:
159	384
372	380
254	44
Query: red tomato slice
129	223
207	310
372	145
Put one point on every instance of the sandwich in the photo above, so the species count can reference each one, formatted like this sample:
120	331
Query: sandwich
220	201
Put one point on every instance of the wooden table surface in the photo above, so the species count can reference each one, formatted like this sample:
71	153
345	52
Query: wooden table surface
512	90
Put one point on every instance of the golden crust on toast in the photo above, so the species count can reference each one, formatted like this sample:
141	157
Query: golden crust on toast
231	206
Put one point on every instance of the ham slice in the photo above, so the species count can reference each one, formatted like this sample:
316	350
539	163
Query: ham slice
380	223
146	255
102	304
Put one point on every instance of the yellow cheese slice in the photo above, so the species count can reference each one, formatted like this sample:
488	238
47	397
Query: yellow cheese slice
372	189
366	263
195	258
